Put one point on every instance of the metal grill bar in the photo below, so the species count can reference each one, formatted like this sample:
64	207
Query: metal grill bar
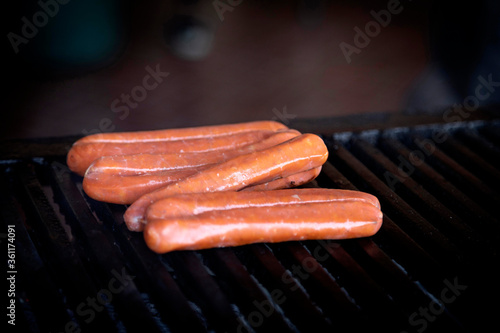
56	247
472	161
445	190
171	307
99	245
248	294
465	180
422	200
300	308
442	217
404	249
439	245
354	154
36	289
200	285
395	275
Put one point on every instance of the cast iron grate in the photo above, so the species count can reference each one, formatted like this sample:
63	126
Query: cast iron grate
432	266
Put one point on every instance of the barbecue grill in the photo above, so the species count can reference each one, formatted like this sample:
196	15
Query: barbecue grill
431	268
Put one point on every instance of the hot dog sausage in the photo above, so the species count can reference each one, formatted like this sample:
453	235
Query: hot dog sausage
173	134
182	205
125	190
206	220
302	153
145	162
295	180
82	155
123	179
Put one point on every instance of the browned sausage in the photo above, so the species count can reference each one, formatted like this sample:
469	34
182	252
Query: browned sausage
125	190
147	163
175	134
122	179
302	153
295	180
219	219
82	155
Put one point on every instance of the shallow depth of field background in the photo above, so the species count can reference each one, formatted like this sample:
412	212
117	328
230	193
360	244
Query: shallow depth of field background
88	66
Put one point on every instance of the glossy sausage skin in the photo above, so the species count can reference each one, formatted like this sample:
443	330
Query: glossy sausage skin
302	153
188	133
147	163
116	189
122	179
82	155
197	203
207	220
295	180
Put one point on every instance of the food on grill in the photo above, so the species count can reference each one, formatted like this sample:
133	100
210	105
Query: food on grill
218	186
194	139
300	178
83	155
219	219
122	179
299	154
172	134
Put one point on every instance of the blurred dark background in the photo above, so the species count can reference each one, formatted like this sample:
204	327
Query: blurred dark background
76	67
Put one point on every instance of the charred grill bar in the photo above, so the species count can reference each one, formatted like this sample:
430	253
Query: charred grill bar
431	267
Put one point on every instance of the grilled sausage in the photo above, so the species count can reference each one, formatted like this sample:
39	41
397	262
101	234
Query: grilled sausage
302	153
122	179
125	190
219	219
82	155
175	134
295	180
146	162
185	205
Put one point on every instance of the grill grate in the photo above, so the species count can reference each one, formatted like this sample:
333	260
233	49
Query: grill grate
430	267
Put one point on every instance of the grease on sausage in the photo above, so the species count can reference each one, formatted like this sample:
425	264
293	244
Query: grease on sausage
206	220
302	153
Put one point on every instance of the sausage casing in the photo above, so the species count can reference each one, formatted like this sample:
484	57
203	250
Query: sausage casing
174	134
219	219
203	138
302	153
82	155
291	181
122	179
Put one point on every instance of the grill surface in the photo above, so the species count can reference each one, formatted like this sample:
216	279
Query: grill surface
431	267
